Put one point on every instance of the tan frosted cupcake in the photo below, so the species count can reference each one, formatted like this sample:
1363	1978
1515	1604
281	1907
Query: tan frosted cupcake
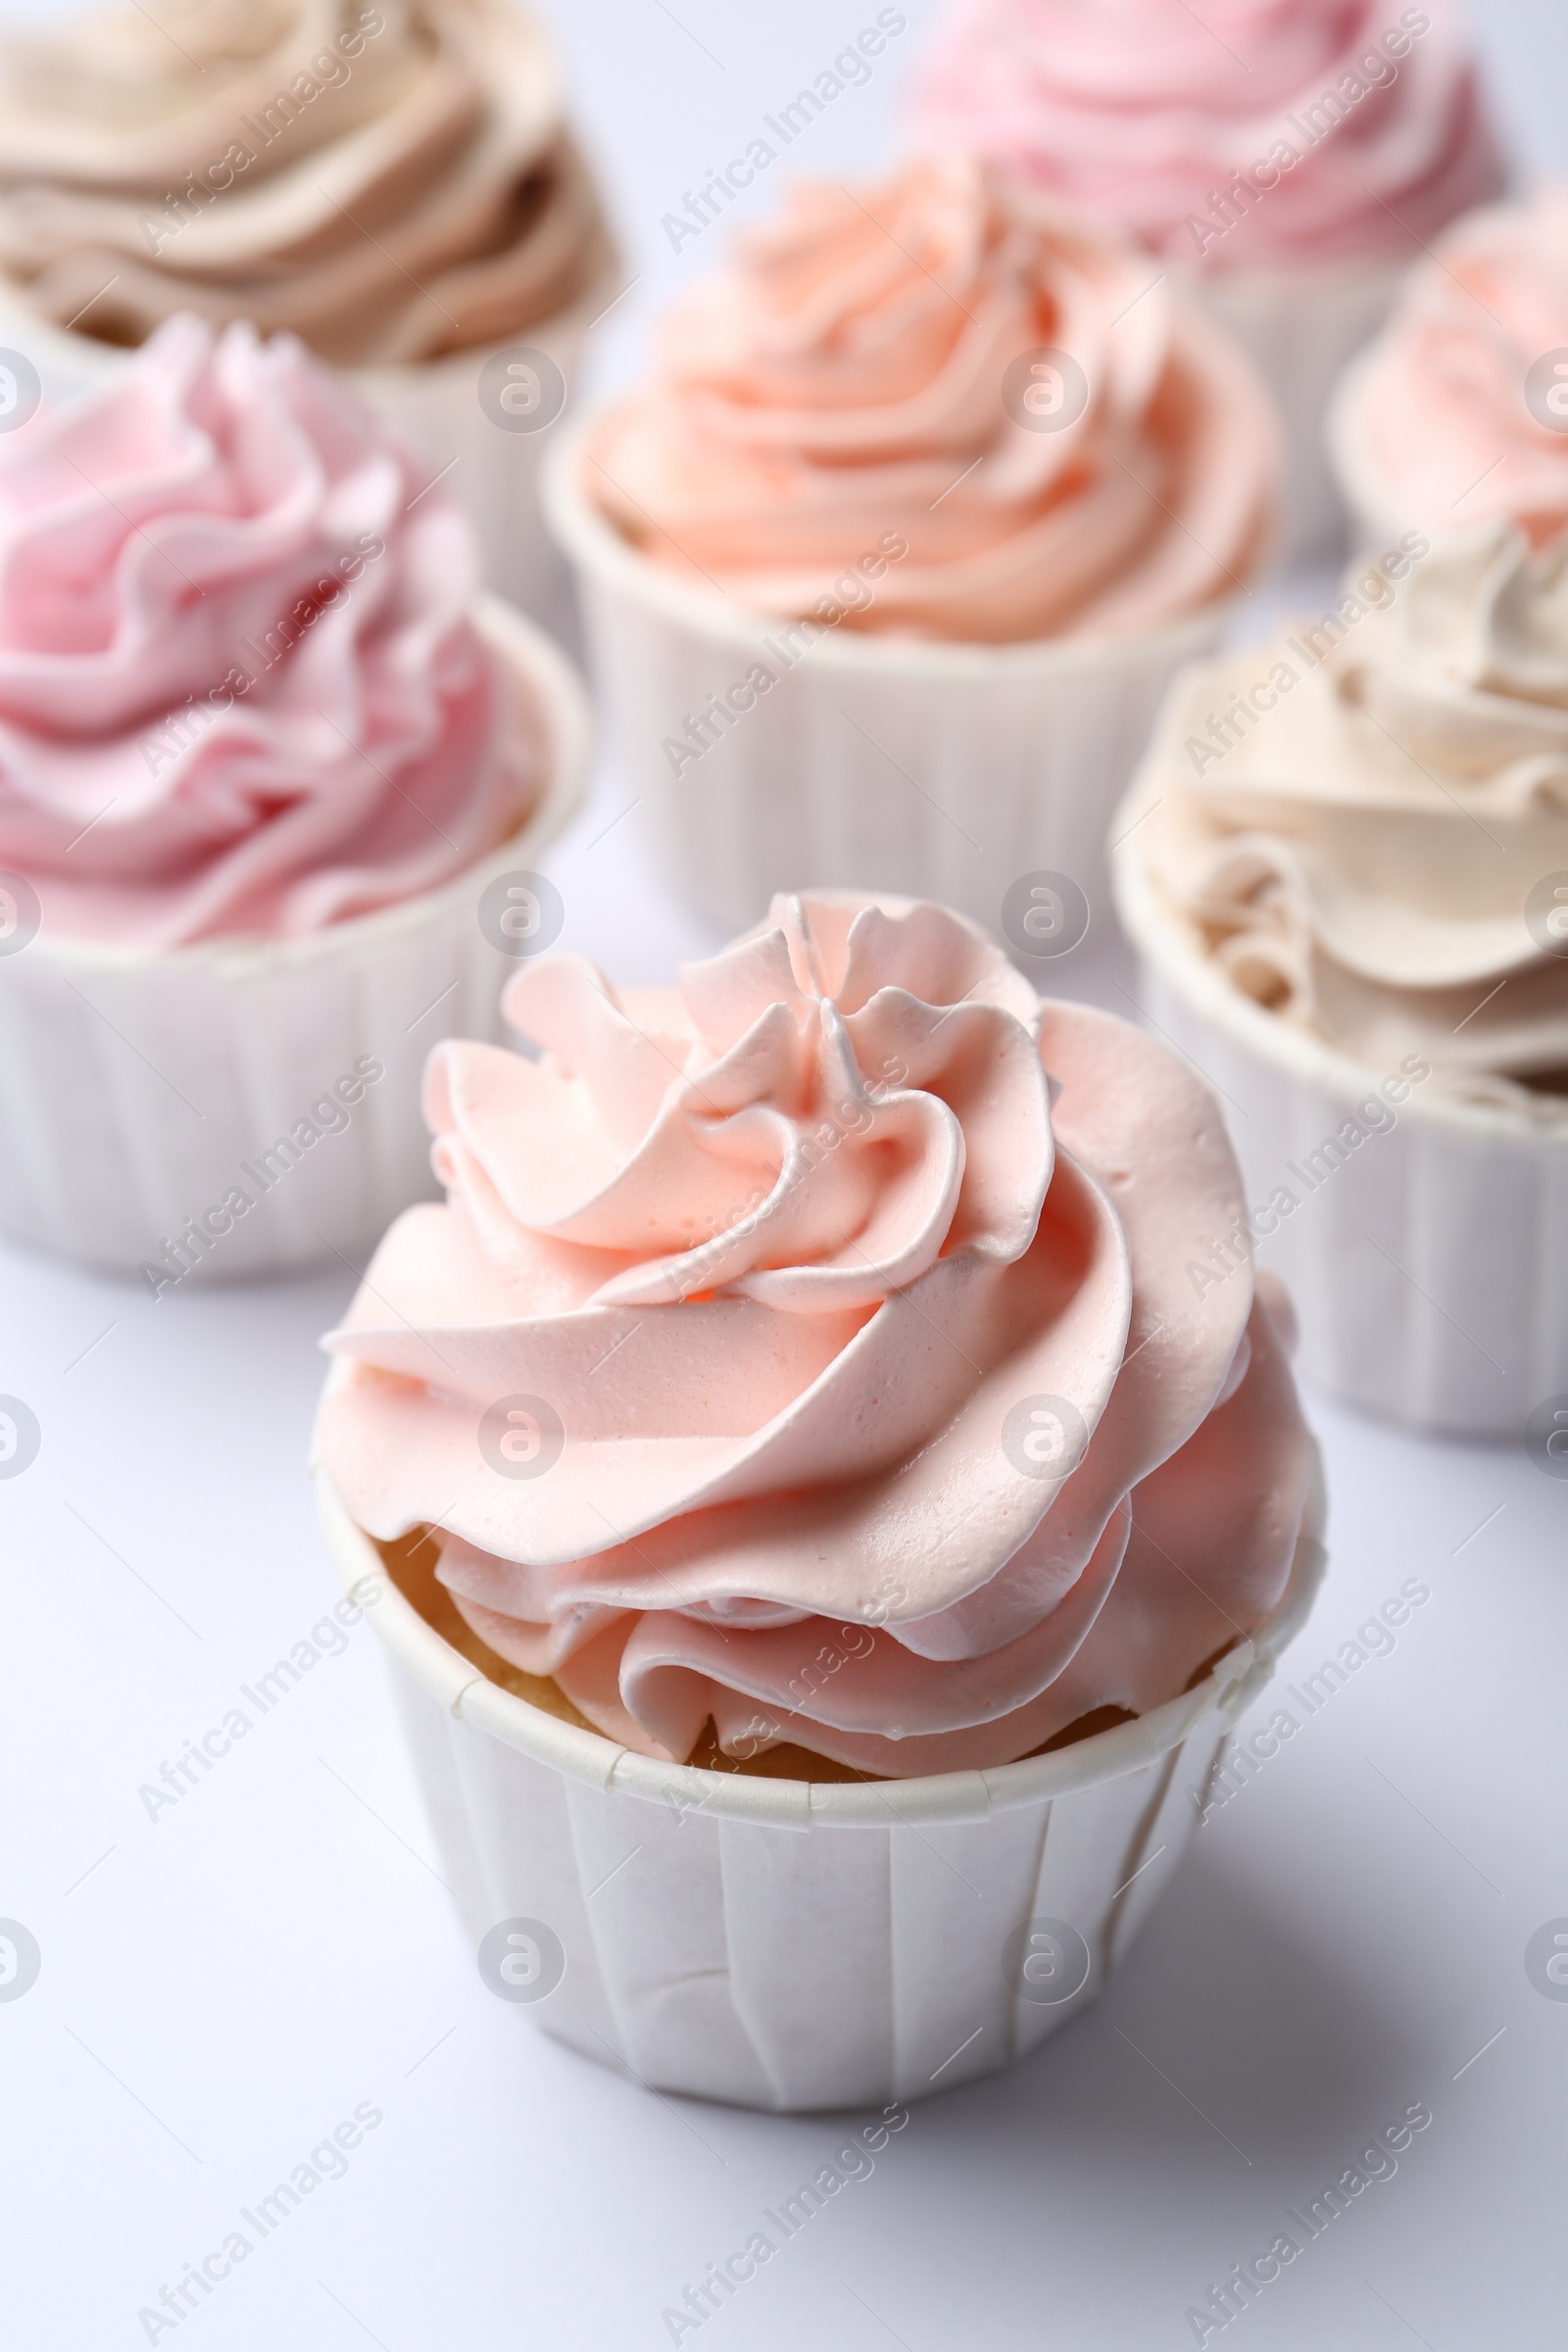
396	184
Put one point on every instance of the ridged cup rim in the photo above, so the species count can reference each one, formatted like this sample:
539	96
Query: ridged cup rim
927	1801
592	543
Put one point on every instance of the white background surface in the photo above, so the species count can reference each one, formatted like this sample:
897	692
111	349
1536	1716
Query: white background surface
222	1986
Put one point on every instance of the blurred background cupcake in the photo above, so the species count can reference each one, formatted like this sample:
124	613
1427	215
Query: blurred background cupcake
1459	411
1287	158
396	184
889	560
1345	869
261	755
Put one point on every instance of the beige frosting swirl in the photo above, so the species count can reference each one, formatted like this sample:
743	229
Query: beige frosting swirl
390	182
1371	853
852	384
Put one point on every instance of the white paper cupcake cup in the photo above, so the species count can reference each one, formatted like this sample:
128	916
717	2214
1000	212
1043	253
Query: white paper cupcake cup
138	1088
938	770
785	1943
1428	1263
1300	328
491	470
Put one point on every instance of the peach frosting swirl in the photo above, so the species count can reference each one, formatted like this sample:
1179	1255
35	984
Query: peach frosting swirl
390	182
239	693
1436	423
840	386
1372	862
777	1255
1141	111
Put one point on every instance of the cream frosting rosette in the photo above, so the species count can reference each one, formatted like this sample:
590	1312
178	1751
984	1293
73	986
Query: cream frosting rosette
858	379
843	1382
1372	859
1458	413
390	182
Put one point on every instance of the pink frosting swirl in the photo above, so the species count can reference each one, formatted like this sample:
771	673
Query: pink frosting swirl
888	1421
239	695
1141	109
839	393
1437	424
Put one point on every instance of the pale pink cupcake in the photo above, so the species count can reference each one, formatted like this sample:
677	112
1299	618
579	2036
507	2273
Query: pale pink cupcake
260	751
804	1381
1457	416
1287	158
887	563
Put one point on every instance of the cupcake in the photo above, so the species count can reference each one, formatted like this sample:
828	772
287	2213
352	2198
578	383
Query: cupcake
800	1417
261	752
394	184
1345	867
889	559
1458	414
1285	159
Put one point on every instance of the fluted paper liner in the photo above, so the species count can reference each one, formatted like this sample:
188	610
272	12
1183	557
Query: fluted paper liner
791	1944
135	1083
940	771
1430	1269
